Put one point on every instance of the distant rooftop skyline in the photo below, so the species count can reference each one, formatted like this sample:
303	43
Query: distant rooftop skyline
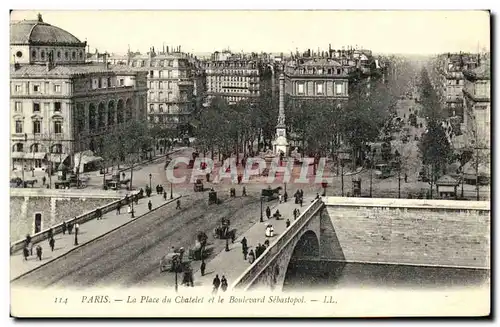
401	32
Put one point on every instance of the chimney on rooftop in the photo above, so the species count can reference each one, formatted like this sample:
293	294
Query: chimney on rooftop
106	60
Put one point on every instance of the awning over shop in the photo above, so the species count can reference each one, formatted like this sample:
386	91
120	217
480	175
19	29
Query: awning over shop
57	157
18	155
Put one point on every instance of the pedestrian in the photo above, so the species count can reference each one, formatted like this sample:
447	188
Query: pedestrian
118	207
39	252
202	268
298	213
150	205
26	253
406	178
178	204
123	176
52	243
301	193
245	252
258	250
317	196
285	197
44	180
294	213
233	237
280	198
70	228
77	228
216	283
164	195
244	242
301	200
50	233
244	193
268	212
251	257
64	227
136	198
287	223
223	283
98	214
28	239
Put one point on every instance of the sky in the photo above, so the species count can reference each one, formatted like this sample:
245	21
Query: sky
409	32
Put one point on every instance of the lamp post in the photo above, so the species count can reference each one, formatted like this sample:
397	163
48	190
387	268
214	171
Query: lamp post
76	236
171	192
261	216
176	266
227	243
342	177
371	173
150	181
132	211
462	173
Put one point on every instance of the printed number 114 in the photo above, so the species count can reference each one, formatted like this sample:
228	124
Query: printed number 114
63	300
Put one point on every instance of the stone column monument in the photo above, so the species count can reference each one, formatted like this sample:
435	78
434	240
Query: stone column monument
280	143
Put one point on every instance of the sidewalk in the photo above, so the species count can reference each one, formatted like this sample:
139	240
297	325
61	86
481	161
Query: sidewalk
231	264
88	232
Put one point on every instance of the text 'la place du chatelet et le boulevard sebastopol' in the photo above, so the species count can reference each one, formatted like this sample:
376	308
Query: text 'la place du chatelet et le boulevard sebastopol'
199	299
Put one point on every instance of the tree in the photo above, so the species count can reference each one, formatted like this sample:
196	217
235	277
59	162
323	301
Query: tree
435	150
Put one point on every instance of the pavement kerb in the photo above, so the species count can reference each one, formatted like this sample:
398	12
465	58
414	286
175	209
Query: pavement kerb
97	238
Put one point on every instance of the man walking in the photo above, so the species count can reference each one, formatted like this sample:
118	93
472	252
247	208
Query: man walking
64	227
216	283
118	207
287	223
165	195
178	204
268	212
52	243
39	252
150	205
203	267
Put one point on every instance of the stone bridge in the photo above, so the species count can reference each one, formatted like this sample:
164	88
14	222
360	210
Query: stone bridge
377	231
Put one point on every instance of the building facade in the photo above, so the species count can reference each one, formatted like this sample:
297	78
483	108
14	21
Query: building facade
477	104
449	82
61	105
234	78
172	92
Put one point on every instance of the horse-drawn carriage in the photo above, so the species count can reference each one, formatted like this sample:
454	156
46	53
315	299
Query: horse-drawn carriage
223	231
270	193
212	197
172	261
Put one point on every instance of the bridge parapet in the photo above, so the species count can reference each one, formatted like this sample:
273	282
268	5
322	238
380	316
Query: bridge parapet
258	268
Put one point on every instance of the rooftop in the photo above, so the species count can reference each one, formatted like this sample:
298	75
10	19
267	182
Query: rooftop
68	70
39	32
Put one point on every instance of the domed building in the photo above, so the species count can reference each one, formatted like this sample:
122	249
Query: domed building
33	41
62	105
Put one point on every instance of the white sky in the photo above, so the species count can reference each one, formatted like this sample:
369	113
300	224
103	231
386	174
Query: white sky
417	32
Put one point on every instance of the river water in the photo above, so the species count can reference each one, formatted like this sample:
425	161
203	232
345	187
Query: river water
334	275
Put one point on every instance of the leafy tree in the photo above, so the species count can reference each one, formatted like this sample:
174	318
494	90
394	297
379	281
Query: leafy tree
435	150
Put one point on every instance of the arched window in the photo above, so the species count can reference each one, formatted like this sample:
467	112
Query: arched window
42	55
33	54
66	55
81	54
73	55
58	54
18	147
56	148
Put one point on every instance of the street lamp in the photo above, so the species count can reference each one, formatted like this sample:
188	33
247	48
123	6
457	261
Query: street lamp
171	192
176	267
371	173
76	236
227	243
132	211
150	181
261	216
342	176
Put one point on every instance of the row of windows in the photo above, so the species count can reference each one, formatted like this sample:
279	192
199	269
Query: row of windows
320	88
160	85
19	147
18	106
233	78
45	53
169	74
37	127
155	63
161	106
319	71
237	84
163	119
219	89
97	83
38	88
